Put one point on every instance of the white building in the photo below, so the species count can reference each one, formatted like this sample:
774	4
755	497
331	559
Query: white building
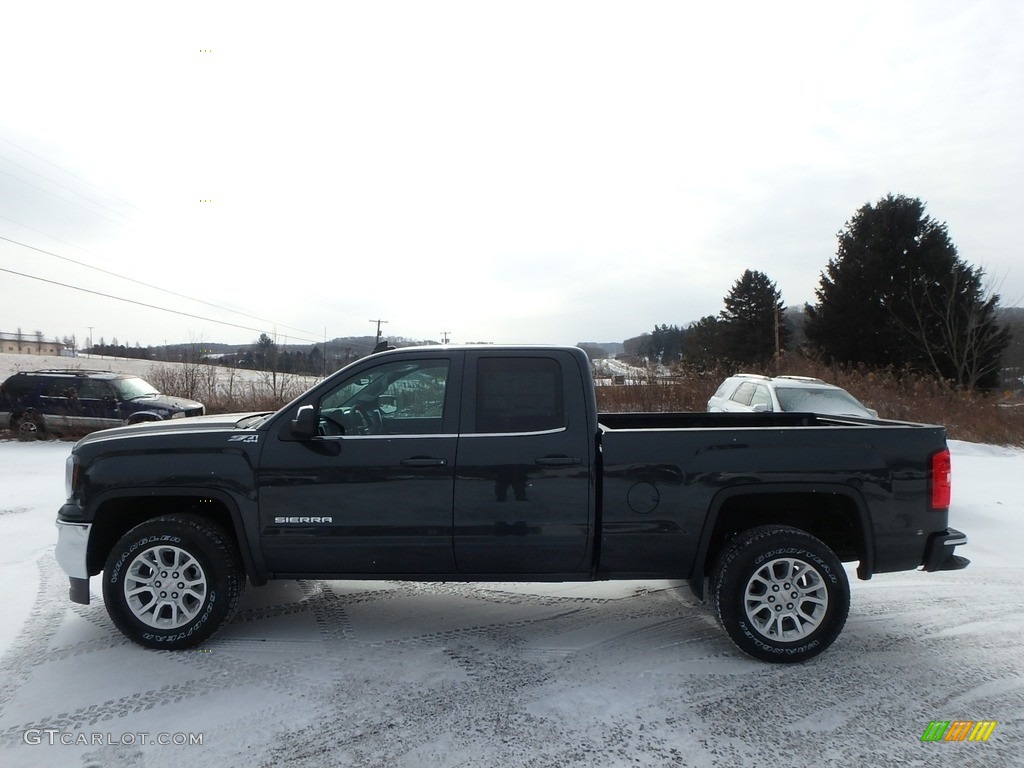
28	344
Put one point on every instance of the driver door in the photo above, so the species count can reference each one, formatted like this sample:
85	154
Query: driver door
372	492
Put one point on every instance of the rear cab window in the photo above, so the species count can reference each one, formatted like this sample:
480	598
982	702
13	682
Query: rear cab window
519	394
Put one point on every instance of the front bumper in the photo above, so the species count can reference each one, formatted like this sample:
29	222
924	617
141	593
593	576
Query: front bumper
938	553
72	547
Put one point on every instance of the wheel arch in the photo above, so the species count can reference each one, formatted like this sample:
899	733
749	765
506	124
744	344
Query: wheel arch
835	514
140	417
117	513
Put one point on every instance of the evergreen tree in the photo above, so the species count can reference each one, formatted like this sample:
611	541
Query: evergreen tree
664	344
265	354
703	343
898	294
752	327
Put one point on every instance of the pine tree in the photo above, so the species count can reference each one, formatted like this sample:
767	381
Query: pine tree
703	344
752	319
897	294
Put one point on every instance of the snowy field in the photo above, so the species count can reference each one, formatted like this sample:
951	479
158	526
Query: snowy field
389	674
209	379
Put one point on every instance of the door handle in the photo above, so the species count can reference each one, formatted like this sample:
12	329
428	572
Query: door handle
424	461
557	461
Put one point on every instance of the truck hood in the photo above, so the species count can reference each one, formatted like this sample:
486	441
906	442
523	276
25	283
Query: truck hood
223	422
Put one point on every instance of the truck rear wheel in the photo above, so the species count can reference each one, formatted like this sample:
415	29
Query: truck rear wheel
780	593
172	581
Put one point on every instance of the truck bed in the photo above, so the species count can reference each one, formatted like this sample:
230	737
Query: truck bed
863	484
703	420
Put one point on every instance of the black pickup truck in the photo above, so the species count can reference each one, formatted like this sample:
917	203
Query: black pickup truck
492	463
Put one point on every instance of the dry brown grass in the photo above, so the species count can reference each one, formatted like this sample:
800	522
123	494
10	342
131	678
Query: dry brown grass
227	390
996	419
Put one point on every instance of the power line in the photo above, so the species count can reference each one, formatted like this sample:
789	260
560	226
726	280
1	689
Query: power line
66	189
147	285
96	202
69	173
69	202
143	304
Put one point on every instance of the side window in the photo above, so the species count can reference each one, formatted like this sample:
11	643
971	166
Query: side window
723	388
743	393
59	388
18	389
402	397
519	394
90	389
762	397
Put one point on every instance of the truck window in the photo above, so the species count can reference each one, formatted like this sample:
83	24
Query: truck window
519	394
405	397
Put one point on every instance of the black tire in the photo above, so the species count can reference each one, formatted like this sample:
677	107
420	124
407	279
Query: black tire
172	581
780	593
28	426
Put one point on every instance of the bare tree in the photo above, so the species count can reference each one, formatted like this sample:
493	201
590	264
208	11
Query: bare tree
952	325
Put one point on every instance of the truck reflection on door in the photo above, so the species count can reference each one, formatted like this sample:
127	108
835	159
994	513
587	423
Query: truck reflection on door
510	476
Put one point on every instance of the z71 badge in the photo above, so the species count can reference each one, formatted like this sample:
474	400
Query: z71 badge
244	439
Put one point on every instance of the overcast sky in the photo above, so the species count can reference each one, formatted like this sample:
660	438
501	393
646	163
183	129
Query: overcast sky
542	172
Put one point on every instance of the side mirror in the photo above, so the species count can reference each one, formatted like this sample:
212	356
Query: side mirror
759	408
304	425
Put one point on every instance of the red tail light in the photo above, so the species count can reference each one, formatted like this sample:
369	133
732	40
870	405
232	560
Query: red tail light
941	480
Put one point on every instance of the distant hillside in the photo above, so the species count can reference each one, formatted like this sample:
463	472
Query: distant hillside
597	350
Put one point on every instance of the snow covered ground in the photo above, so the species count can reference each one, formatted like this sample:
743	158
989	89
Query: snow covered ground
13	363
216	379
510	675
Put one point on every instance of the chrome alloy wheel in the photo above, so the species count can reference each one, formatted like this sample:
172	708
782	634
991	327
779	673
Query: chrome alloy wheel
786	599
165	587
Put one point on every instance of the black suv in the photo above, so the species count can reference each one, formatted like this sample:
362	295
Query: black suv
83	401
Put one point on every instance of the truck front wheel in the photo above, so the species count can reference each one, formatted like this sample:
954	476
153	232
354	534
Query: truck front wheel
780	593
172	581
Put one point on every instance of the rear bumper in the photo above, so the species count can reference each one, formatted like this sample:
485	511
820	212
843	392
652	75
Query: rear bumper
939	552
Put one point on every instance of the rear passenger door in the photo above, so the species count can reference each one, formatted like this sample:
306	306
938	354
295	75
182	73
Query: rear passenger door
98	406
523	491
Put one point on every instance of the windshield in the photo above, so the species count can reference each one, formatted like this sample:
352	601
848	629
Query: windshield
837	402
134	388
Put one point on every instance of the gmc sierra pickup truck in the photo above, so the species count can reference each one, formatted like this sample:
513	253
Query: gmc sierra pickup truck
492	463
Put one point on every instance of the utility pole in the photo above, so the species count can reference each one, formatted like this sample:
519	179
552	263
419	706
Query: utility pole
444	336
778	341
379	324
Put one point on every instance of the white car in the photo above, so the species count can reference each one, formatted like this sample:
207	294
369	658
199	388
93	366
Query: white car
752	393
